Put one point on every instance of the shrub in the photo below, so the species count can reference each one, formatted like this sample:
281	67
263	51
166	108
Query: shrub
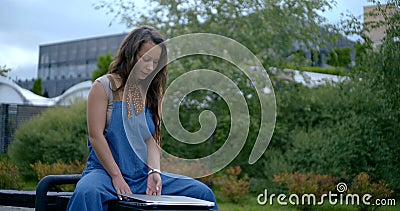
310	183
339	57
58	168
191	169
272	162
9	175
102	63
44	169
362	185
58	134
232	187
331	71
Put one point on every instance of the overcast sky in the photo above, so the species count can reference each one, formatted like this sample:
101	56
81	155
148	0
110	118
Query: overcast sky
26	24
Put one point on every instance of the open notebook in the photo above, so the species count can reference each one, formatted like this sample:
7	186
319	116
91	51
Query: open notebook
166	200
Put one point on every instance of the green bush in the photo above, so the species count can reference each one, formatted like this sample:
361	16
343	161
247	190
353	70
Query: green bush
9	175
331	71
58	168
309	183
57	135
37	87
44	169
339	57
362	185
102	63
231	186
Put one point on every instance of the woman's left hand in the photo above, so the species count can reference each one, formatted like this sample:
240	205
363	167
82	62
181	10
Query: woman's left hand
154	184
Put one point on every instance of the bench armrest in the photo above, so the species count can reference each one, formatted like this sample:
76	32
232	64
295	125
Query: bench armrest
48	182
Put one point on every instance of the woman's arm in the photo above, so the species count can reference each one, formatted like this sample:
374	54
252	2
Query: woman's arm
153	150
96	120
154	183
153	154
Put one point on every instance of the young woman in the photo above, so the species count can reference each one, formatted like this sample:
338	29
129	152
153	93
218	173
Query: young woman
118	164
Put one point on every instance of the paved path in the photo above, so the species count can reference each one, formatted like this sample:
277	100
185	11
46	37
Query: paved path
8	208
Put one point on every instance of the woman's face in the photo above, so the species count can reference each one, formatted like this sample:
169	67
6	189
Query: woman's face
147	60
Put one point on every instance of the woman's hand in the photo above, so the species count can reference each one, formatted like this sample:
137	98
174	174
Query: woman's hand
154	184
120	186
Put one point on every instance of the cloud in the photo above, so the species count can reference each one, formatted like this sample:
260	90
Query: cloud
27	24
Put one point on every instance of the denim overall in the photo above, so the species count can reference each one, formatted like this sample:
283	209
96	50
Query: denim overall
95	189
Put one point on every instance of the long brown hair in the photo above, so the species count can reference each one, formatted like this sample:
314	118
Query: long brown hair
125	60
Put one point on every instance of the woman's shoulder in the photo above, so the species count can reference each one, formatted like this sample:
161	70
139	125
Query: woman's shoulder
104	79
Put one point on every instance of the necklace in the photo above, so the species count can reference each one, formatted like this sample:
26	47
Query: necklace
134	95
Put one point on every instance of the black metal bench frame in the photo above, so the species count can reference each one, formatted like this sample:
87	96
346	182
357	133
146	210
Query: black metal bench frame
43	199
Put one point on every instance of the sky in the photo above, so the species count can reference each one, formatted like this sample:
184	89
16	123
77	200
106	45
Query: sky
26	24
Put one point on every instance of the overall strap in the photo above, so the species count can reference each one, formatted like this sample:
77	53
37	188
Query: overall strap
114	89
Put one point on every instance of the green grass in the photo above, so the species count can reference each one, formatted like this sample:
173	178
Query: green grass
332	71
341	71
249	203
30	184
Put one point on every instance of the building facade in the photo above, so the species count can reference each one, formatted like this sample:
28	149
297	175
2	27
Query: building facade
374	15
64	64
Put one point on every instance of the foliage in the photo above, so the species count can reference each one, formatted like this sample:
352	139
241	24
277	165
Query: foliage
329	70
4	70
310	183
58	168
300	183
232	186
362	185
272	163
339	129
270	29
9	175
57	135
339	57
250	204
188	168
103	62
37	87
345	128
380	73
331	130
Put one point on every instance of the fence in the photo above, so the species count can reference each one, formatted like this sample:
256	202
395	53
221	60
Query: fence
12	116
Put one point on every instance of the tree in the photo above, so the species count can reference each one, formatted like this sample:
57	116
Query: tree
37	87
103	62
349	128
4	70
339	57
332	129
380	71
57	135
270	29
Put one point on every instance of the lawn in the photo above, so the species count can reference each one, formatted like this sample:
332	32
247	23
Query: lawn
250	204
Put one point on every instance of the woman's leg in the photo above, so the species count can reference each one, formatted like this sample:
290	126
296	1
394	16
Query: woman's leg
92	192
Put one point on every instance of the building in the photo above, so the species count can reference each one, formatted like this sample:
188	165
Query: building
372	16
18	105
62	65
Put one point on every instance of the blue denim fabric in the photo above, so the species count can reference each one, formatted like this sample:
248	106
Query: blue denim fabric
95	189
